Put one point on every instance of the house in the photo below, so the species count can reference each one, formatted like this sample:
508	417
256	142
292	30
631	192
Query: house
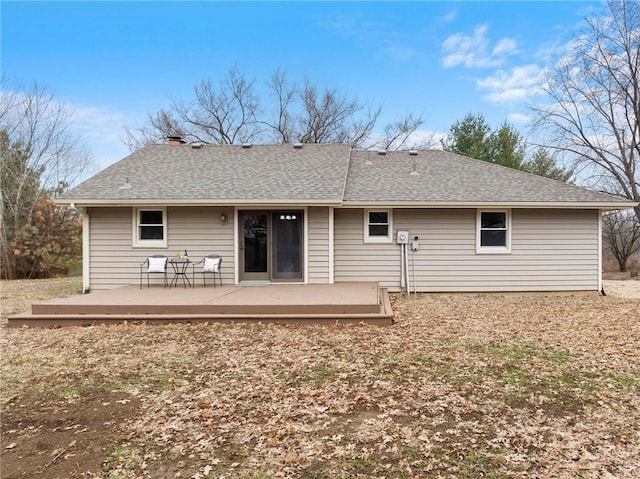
432	221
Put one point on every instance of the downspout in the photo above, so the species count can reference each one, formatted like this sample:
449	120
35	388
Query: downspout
305	229
86	253
406	268
236	247
331	246
600	283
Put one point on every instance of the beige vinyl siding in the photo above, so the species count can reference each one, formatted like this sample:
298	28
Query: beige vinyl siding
115	262
551	250
318	244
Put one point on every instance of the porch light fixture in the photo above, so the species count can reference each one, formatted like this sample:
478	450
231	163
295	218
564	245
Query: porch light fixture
223	218
288	217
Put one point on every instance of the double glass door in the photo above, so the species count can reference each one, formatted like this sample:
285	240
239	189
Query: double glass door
271	245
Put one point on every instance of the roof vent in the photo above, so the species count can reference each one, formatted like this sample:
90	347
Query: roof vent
413	152
382	152
126	185
414	172
196	146
297	145
246	145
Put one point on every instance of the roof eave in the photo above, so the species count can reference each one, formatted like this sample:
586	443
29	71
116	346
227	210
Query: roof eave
86	202
601	205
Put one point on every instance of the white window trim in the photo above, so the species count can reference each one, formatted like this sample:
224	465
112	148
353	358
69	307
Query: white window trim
137	243
493	249
378	239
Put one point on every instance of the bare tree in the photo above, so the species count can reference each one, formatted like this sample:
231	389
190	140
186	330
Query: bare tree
621	235
39	156
232	112
314	116
594	90
159	126
401	134
31	116
283	94
330	117
218	114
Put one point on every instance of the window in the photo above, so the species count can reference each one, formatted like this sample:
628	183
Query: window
377	226
493	232
150	228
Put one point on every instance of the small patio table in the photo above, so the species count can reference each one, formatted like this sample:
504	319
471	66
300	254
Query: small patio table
180	266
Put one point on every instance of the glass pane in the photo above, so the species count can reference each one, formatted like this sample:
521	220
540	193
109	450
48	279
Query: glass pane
287	244
378	230
378	217
255	243
151	217
494	220
493	238
151	232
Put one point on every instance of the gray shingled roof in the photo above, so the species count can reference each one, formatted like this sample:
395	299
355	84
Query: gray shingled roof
223	172
443	177
331	174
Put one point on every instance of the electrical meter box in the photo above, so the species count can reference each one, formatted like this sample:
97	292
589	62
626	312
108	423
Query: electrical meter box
402	237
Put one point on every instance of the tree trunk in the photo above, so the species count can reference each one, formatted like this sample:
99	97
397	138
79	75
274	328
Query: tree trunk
622	265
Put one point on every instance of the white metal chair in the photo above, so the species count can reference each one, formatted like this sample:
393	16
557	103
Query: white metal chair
210	264
156	264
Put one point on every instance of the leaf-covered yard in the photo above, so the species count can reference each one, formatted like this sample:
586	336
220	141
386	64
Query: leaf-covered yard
461	386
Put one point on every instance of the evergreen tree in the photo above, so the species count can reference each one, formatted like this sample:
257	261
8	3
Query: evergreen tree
469	137
472	137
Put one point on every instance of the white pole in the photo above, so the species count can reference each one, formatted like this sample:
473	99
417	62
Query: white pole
402	266
406	262
414	272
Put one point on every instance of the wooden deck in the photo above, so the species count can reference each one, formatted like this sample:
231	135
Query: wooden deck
341	302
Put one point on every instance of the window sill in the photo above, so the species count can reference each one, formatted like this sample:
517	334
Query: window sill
493	250
373	239
150	244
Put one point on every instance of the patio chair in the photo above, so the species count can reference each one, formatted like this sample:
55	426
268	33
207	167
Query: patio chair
209	264
156	264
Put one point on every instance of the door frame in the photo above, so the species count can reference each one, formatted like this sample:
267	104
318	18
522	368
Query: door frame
268	210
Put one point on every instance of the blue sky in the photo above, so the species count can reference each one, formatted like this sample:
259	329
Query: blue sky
112	62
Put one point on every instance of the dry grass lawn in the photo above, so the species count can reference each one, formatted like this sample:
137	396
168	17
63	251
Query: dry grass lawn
462	386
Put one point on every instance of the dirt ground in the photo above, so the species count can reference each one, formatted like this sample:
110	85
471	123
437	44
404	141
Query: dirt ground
461	386
624	289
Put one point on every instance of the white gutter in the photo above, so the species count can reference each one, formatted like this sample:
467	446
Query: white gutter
189	202
86	256
492	204
600	265
331	245
268	204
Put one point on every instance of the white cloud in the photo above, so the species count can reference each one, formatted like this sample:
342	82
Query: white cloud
372	32
515	85
505	46
425	138
449	16
517	118
102	131
399	51
419	139
475	51
98	123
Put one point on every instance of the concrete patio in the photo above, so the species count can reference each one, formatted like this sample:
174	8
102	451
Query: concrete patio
352	302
